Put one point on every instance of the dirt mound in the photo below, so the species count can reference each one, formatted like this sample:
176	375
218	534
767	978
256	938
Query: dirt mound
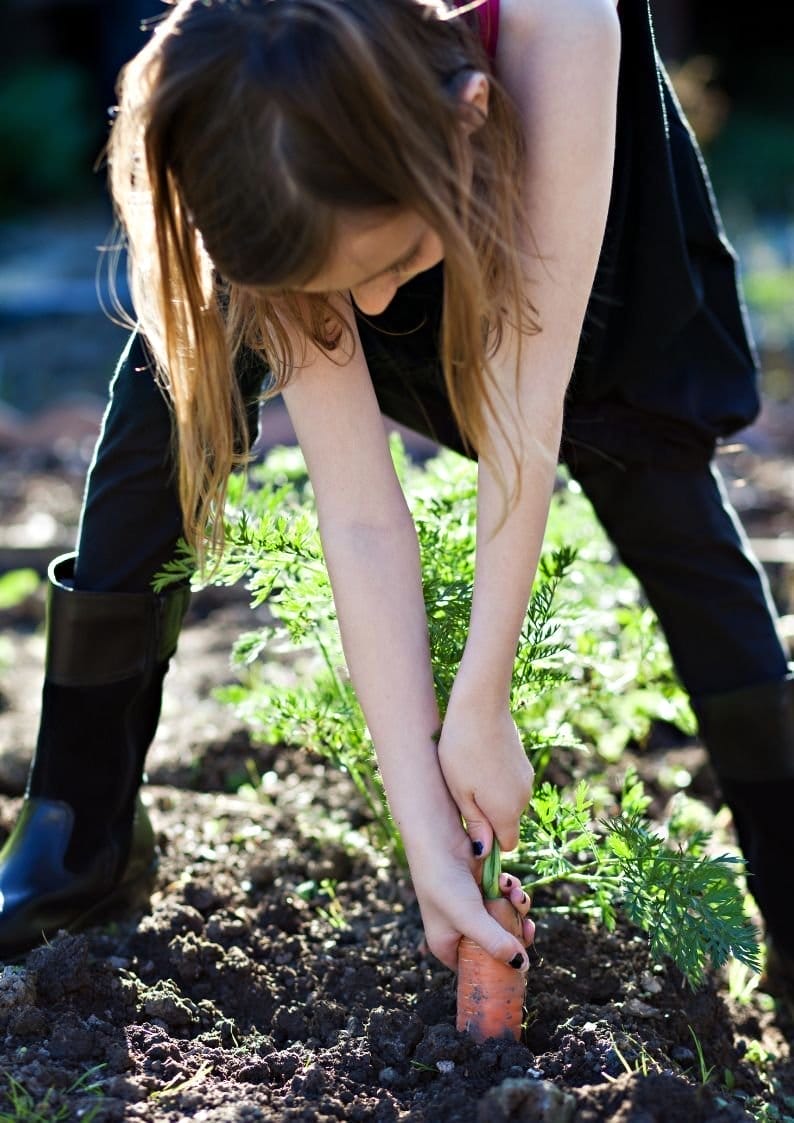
276	974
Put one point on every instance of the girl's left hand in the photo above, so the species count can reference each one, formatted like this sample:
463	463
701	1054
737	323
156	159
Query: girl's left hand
486	770
446	881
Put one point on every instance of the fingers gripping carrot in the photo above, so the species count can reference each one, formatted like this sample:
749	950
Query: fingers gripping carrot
490	1000
490	994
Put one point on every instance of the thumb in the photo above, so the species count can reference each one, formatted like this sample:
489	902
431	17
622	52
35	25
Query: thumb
500	944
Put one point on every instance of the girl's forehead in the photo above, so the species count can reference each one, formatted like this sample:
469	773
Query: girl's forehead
359	222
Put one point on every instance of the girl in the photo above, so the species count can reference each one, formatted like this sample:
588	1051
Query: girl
352	196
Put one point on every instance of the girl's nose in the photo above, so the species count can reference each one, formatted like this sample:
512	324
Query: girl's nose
376	296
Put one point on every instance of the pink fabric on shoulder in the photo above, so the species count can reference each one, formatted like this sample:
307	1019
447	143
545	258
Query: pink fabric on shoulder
488	15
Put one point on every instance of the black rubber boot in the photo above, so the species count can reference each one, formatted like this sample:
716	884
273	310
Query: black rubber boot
83	842
750	738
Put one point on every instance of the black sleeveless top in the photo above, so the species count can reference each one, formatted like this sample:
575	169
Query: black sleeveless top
666	361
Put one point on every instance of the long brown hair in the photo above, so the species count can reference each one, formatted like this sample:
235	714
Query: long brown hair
244	129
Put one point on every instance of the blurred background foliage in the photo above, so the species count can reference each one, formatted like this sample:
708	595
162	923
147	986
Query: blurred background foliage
732	69
59	58
44	153
731	66
58	65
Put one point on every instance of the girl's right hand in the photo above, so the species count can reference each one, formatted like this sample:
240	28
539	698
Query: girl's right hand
485	768
446	882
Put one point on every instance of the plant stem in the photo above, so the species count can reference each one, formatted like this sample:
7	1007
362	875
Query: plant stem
572	878
492	867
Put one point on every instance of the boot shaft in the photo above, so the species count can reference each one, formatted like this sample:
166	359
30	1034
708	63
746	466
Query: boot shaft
94	639
107	656
749	733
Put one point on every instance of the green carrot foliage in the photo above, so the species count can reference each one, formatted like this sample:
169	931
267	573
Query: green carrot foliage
591	672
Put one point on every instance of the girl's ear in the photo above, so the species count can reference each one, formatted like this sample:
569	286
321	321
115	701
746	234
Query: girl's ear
473	96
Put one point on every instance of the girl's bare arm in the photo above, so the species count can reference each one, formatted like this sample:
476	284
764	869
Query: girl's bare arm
559	62
372	555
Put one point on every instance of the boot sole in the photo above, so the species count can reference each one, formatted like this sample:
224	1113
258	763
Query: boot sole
126	897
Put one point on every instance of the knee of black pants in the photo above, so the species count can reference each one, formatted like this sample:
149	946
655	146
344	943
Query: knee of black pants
131	518
678	533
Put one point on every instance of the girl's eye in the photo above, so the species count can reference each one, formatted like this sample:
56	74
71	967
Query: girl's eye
401	266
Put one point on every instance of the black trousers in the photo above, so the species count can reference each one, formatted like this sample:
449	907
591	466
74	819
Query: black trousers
667	516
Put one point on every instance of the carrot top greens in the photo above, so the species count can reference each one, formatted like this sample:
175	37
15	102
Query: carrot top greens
591	671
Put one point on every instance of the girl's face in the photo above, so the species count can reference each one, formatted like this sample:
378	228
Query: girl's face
375	253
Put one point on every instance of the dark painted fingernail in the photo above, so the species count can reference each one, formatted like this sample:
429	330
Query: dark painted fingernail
477	848
508	882
524	898
535	958
517	961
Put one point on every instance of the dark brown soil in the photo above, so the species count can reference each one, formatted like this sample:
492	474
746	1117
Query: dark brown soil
275	974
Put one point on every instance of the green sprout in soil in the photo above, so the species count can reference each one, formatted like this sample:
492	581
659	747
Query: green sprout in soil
22	1106
592	671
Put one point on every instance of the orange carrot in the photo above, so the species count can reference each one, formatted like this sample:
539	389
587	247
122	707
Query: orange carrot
490	997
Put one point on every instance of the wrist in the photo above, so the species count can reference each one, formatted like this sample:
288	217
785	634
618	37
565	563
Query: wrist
484	688
427	840
418	797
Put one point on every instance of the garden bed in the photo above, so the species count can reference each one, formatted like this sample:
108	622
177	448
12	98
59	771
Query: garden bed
277	973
